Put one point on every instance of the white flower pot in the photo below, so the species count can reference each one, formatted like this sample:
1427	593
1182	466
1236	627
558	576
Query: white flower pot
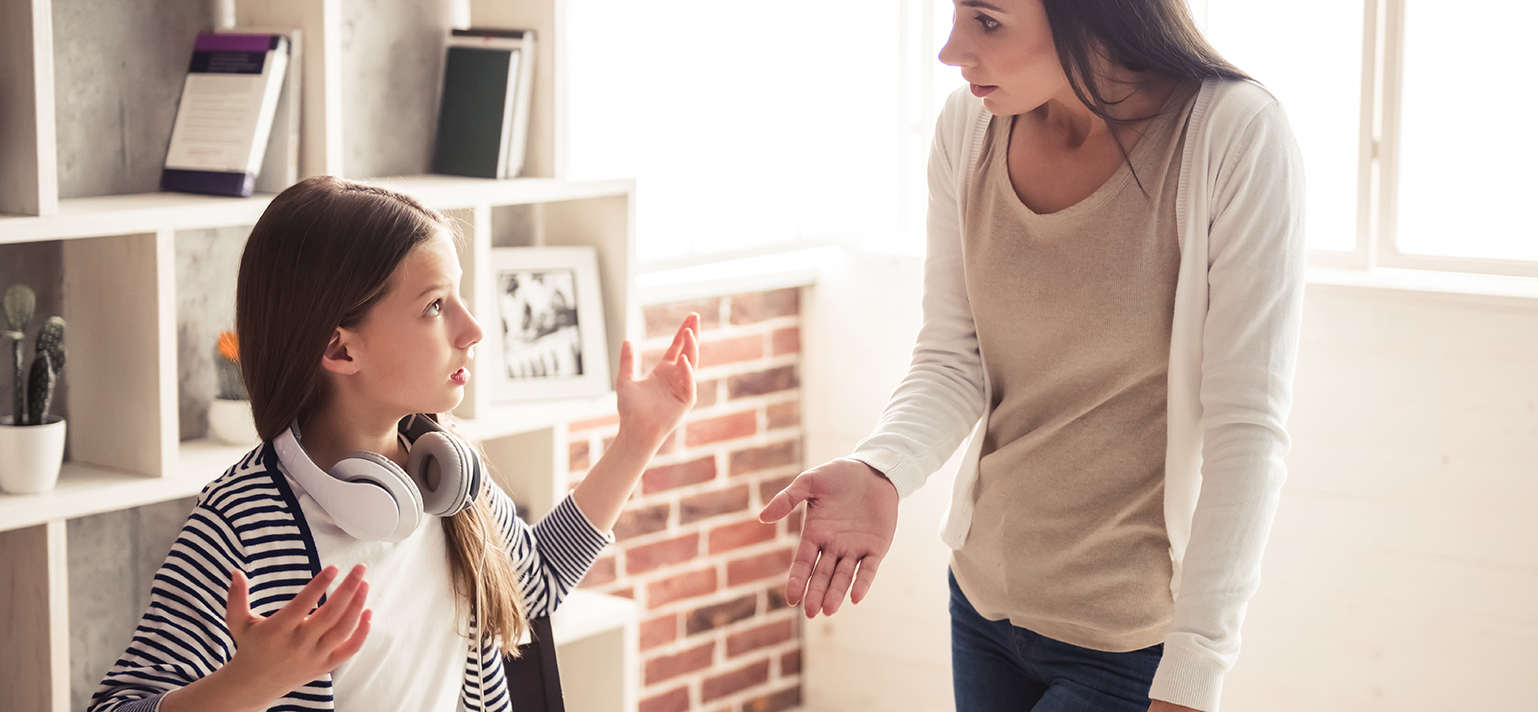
229	422
30	455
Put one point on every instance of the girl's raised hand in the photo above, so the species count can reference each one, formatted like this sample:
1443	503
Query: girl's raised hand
651	406
300	642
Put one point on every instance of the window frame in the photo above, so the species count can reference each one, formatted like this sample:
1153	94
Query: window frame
1379	149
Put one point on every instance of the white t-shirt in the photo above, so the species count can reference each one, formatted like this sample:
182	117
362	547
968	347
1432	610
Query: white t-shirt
414	657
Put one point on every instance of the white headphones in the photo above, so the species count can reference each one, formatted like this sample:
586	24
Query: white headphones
372	498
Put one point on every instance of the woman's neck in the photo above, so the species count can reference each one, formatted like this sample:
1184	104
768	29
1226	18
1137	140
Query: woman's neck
334	431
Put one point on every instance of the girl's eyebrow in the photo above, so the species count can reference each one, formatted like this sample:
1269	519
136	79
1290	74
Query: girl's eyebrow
433	288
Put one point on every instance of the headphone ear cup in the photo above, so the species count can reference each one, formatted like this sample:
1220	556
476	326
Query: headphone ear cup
458	473
380	470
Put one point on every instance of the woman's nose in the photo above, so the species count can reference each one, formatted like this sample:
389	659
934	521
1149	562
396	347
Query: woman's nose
953	52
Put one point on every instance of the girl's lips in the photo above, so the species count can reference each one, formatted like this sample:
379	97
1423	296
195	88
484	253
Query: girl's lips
982	90
460	377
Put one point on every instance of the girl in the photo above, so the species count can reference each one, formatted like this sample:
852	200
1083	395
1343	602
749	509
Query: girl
1112	299
348	309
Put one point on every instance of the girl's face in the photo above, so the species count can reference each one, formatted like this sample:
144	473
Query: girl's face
1005	50
413	347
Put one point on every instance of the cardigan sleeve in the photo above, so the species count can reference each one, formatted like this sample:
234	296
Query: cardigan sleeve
1249	350
941	397
552	556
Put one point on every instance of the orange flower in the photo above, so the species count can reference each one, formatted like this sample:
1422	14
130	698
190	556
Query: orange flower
229	346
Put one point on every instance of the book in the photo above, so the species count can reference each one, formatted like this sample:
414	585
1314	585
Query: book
483	121
280	161
226	113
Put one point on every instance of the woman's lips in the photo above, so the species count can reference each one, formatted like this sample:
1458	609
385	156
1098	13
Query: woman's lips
981	90
460	377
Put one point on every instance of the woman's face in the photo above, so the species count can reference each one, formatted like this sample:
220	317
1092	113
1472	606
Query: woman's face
1005	50
416	343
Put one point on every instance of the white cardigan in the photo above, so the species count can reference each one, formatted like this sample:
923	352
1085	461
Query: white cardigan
1233	346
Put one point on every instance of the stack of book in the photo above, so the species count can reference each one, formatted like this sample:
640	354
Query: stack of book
483	123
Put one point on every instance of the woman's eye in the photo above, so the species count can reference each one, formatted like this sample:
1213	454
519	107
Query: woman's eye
435	308
989	24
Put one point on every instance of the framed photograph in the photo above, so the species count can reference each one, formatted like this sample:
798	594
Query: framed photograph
549	336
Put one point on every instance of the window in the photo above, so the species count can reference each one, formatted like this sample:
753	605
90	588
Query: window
1410	116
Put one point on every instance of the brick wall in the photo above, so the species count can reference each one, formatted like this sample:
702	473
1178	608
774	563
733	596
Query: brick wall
716	635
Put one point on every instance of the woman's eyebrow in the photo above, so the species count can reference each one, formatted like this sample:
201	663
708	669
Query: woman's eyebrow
979	3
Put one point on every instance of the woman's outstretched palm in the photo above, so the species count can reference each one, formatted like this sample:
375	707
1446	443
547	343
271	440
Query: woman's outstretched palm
851	515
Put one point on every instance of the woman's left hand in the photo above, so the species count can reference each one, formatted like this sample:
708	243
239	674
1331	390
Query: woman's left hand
1162	706
651	406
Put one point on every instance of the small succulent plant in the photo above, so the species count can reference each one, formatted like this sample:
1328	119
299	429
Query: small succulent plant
227	366
30	405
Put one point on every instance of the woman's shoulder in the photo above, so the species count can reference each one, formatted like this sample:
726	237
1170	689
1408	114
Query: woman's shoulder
960	112
1233	104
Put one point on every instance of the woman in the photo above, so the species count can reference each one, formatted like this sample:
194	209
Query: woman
1112	298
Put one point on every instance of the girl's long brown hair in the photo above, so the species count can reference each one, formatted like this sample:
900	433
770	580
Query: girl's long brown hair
319	258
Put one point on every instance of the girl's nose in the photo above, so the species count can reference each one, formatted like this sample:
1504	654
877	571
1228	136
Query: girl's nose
471	332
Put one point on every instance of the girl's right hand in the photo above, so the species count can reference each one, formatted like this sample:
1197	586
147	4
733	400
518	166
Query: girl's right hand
300	642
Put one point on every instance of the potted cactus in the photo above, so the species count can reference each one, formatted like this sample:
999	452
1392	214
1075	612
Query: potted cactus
31	440
229	414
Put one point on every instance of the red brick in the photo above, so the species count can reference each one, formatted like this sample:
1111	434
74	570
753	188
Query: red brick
667	477
774	598
664	319
784	415
592	423
712	504
739	534
718	686
674	700
665	667
758	383
759	637
790	663
661	592
641	520
649	557
705	393
788	698
762	566
700	620
626	592
786	341
769	488
603	572
725	427
659	630
734	350
765	457
753	308
579	459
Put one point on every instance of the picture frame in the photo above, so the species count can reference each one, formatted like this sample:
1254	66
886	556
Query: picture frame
547	340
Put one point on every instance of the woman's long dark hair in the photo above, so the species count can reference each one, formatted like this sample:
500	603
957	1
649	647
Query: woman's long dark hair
1141	35
321	257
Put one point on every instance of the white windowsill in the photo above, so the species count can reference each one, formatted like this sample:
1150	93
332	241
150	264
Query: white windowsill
1480	287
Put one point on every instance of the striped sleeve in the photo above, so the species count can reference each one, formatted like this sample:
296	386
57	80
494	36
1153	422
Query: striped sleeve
243	520
551	556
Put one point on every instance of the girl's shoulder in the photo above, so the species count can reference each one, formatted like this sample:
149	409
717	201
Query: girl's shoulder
254	480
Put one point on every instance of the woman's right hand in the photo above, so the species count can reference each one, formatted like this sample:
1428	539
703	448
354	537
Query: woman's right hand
278	654
851	515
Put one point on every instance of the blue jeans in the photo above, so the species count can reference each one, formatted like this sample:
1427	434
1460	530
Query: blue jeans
997	667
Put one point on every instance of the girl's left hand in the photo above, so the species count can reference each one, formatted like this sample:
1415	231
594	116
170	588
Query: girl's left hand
651	406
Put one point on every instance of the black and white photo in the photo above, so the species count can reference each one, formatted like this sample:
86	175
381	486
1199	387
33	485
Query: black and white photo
548	337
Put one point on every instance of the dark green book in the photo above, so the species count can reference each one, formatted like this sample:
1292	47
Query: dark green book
483	120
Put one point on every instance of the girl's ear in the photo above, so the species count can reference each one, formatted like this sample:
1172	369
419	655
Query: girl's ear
338	357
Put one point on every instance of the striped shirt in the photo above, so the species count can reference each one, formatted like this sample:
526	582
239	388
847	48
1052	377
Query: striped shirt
249	518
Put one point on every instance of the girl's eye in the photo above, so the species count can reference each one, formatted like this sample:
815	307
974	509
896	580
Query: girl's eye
435	308
989	24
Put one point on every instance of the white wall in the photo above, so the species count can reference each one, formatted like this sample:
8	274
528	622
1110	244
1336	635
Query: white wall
1402	572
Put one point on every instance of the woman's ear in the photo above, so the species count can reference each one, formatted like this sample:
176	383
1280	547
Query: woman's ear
340	353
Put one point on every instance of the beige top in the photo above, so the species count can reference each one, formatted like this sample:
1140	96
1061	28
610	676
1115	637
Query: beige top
1073	312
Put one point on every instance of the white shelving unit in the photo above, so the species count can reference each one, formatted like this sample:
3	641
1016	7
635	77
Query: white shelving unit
120	299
